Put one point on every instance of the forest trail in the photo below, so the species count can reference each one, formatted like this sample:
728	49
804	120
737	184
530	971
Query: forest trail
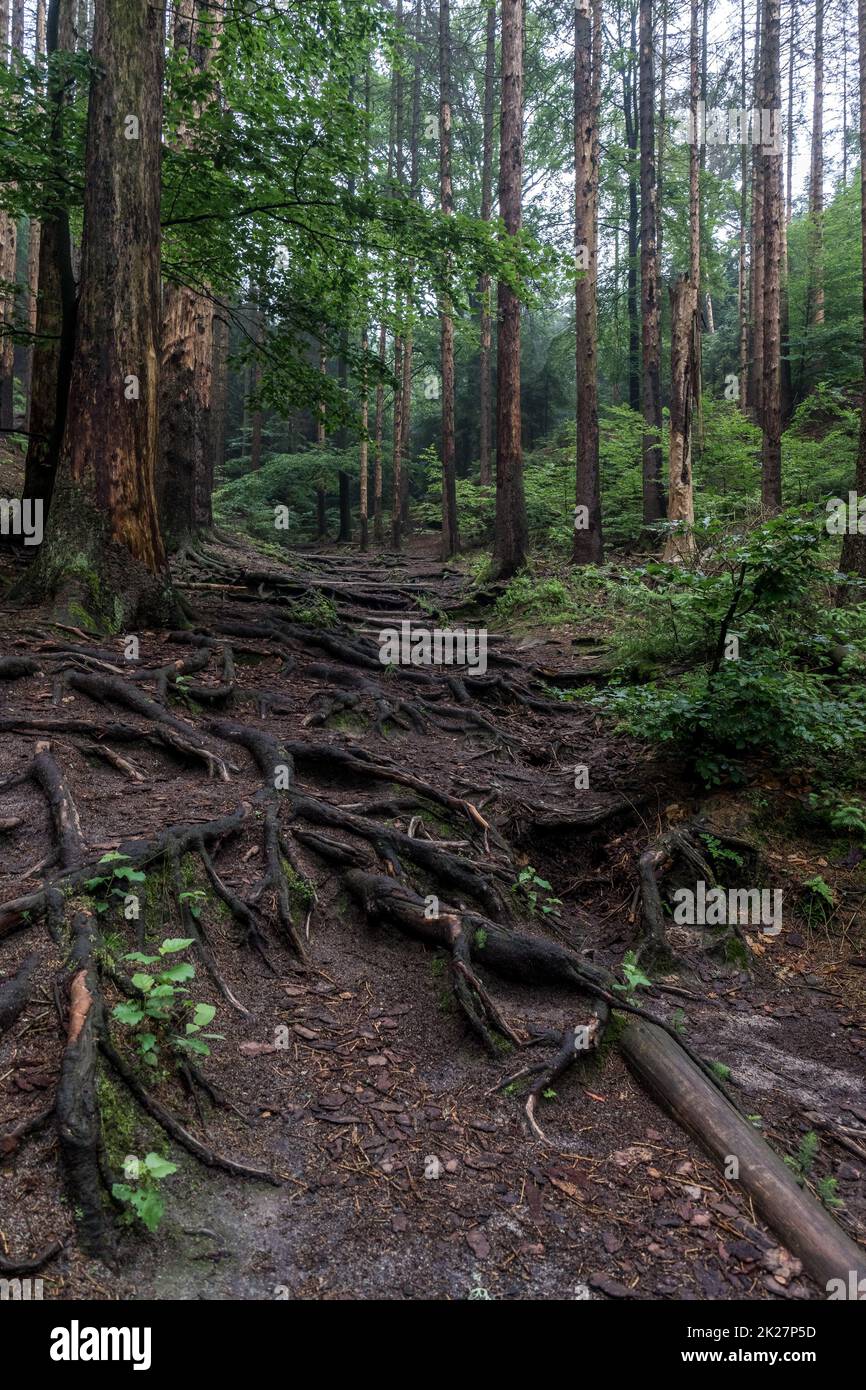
405	1164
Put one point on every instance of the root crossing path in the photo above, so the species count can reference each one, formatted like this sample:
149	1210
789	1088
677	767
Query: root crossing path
387	1061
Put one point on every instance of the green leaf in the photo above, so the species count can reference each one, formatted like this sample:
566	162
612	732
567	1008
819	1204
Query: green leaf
128	1013
194	1045
150	1208
204	1014
158	1166
175	943
143	982
184	971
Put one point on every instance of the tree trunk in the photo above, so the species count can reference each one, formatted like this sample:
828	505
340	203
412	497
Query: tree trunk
378	535
485	386
588	546
742	281
450	538
8	258
685	342
363	452
756	374
103	558
219	394
509	552
660	202
345	535
854	546
33	236
629	85
816	180
771	417
653	488
185	473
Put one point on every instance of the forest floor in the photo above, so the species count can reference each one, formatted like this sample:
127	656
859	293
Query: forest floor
404	1167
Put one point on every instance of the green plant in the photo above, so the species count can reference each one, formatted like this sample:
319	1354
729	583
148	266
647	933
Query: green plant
163	1009
720	853
144	1198
818	901
113	884
634	977
721	1071
528	885
803	1161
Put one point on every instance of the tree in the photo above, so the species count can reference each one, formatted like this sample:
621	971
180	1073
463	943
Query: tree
587	545
685	340
510	540
816	179
450	537
57	303
771	393
854	545
103	559
8	252
185	472
484	285
653	490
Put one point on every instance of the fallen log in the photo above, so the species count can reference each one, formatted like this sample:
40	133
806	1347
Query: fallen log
804	1226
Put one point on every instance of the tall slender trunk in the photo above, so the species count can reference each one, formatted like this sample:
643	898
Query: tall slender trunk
184	475
450	538
653	488
219	395
485	387
756	308
408	340
771	415
321	420
629	90
57	302
660	164
34	233
103	558
854	546
742	280
816	179
399	297
588	545
378	535
8	258
685	340
363	452
509	551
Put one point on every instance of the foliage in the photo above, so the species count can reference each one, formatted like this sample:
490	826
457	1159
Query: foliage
144	1199
162	1007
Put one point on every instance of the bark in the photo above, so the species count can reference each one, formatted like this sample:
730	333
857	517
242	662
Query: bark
408	345
816	179
484	286
756	309
511	529
854	546
685	343
660	202
8	254
629	85
378	536
345	508
653	489
219	393
771	412
103	559
56	307
33	237
742	281
185	473
450	538
588	546
363	452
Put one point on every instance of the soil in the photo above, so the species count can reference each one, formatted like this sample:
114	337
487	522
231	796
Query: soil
405	1165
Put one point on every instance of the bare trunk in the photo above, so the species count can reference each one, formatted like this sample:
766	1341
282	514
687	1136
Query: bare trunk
510	542
685	342
450	538
771	416
816	179
653	489
363	468
8	255
588	545
485	389
34	232
854	546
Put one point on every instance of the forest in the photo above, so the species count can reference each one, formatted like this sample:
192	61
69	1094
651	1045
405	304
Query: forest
433	652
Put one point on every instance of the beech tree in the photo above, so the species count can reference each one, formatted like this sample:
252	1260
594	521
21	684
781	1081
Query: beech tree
588	545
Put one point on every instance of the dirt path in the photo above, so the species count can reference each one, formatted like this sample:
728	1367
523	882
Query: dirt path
406	1165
